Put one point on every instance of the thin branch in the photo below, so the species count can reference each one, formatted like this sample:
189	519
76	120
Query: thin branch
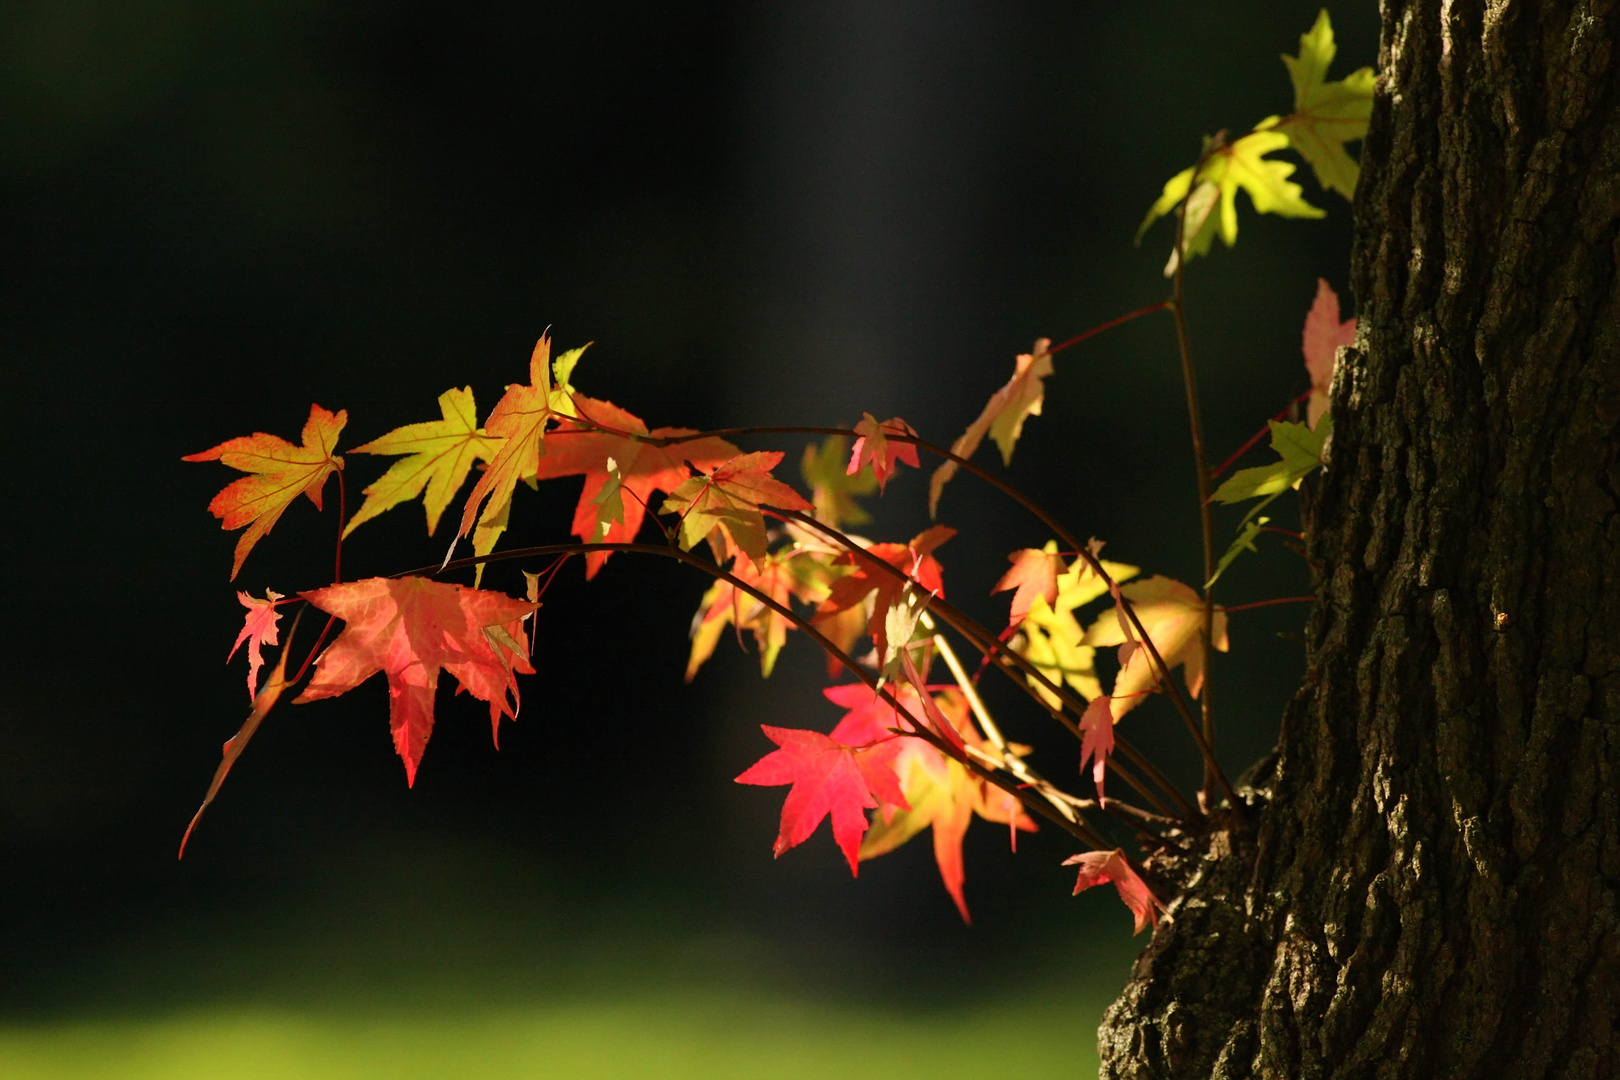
1206	518
1109	325
1269	603
1076	827
1016	764
990	645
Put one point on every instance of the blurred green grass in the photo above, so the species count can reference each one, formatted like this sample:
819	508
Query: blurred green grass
676	1033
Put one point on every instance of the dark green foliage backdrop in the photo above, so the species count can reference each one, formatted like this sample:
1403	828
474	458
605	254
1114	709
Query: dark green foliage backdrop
215	213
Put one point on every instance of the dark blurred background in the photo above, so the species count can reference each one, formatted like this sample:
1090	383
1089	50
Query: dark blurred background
213	213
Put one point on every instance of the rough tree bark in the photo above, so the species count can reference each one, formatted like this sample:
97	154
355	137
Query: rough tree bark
1424	882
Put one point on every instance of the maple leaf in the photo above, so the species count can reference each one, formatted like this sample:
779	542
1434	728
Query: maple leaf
1103	867
1035	575
728	499
872	447
519	419
278	471
832	486
828	777
409	629
258	630
1097	741
914	559
724	604
1051	636
439	455
1228	167
1299	451
1003	416
1323	335
574	448
1248	532
1326	114
940	792
1172	614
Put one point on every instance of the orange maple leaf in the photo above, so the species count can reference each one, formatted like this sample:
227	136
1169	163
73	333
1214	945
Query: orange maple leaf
1035	575
872	447
278	471
643	468
914	559
778	577
410	628
1003	416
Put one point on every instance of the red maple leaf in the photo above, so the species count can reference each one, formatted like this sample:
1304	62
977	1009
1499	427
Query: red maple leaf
1324	333
1035	575
828	777
1101	867
872	445
574	448
914	559
278	472
258	630
410	628
942	794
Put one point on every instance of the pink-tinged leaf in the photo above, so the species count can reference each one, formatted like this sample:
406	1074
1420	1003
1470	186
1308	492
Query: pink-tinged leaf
932	716
1035	575
1003	416
409	629
872	445
1102	867
828	778
869	718
1324	333
1097	741
258	630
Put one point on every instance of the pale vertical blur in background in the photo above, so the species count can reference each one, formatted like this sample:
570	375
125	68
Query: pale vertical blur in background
214	213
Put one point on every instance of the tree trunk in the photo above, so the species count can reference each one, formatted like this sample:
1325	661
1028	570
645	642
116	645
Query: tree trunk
1424	884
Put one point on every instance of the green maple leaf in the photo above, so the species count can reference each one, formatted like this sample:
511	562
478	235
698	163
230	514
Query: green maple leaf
1299	450
1326	114
1211	188
832	488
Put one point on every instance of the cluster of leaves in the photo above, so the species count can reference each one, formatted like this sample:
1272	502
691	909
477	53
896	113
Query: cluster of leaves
915	748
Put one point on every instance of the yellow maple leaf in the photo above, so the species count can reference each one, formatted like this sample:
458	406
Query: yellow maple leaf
1172	614
1051	636
440	455
1326	114
1003	416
